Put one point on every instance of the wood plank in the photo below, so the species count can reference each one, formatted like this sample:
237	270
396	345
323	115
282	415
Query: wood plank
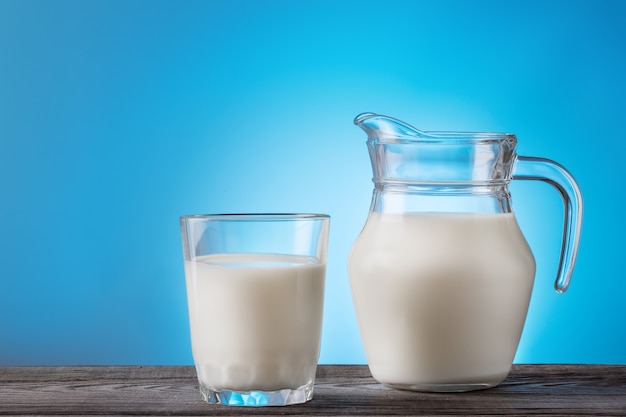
590	390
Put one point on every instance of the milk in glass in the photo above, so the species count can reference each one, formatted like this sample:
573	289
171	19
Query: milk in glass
255	320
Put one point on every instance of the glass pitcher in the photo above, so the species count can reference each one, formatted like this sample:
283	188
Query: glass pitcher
441	274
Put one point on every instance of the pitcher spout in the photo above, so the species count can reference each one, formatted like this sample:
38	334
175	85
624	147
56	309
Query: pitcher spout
377	126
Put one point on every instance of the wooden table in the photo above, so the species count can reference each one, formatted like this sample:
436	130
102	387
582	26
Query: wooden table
589	390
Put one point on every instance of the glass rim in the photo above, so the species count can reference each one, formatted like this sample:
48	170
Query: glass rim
448	138
256	216
389	130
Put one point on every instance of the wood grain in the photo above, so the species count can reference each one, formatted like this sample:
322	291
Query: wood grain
586	390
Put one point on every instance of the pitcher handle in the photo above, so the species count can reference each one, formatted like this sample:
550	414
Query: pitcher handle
532	168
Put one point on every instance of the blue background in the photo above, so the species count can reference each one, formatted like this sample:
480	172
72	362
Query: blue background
117	117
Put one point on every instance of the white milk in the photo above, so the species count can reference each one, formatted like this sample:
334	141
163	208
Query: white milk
255	320
441	299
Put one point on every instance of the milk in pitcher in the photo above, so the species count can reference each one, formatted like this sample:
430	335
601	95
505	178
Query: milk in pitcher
441	297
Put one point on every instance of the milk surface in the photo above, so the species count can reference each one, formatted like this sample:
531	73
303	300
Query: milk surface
255	320
441	299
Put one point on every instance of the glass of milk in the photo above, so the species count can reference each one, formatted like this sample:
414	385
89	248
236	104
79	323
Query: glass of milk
255	293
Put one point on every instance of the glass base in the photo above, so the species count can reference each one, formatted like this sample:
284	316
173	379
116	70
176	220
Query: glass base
257	398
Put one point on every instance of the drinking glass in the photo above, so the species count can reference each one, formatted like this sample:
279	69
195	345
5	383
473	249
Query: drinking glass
255	293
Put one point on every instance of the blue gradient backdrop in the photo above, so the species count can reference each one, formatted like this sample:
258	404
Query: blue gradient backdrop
117	117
